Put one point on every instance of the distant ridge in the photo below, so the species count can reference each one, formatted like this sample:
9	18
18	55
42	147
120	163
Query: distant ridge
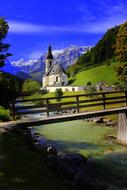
8	68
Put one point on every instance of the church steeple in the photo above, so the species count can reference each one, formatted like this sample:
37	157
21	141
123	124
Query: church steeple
49	55
49	59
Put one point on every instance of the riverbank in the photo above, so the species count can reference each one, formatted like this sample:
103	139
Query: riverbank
25	164
21	167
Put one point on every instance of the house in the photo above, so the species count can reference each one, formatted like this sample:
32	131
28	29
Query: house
102	86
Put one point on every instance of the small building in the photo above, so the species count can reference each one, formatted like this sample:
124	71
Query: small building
102	86
55	74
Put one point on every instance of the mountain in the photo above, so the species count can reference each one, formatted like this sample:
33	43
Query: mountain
68	56
35	68
8	68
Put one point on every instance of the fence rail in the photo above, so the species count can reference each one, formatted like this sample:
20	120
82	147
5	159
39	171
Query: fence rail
79	102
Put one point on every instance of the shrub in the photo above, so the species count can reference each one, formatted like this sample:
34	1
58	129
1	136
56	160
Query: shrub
89	83
91	90
4	114
58	94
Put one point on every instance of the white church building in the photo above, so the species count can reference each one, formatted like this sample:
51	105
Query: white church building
55	76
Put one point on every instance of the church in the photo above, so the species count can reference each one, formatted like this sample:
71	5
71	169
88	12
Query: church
55	75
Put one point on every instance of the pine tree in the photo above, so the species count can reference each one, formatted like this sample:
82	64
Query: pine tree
3	46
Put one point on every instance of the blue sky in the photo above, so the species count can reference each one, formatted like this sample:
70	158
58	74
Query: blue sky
36	24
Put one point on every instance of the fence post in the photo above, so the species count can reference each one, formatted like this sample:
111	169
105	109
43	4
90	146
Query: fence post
47	106
77	100
126	97
13	110
104	103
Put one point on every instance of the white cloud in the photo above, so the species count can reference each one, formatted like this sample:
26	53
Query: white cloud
21	27
82	27
106	16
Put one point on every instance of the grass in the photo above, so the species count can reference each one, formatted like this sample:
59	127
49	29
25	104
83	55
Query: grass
22	169
95	75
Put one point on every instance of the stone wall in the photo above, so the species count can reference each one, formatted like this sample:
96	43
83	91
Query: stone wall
65	88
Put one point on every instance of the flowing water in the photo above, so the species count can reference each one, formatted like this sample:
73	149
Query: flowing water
87	138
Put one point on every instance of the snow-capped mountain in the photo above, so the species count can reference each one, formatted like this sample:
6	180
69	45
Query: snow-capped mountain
36	67
68	56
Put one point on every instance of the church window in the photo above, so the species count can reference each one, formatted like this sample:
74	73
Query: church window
56	79
50	63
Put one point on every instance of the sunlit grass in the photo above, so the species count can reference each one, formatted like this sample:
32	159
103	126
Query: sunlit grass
95	75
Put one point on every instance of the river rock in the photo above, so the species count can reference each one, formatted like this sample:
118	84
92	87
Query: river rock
98	120
73	111
51	150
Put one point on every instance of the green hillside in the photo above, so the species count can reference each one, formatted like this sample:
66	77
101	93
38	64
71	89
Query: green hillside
101	73
101	53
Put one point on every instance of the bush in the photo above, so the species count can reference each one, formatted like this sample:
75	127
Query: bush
58	94
88	83
91	90
10	89
4	114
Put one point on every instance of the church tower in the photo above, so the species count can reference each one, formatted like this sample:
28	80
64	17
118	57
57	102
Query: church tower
49	60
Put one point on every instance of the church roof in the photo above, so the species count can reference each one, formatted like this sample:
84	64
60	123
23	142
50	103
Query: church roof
56	69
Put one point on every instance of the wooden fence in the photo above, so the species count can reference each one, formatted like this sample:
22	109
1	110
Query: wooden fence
74	102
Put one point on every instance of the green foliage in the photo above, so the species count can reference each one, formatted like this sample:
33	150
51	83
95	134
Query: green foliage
30	87
58	94
3	46
98	55
121	43
89	83
4	114
10	88
73	69
121	70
